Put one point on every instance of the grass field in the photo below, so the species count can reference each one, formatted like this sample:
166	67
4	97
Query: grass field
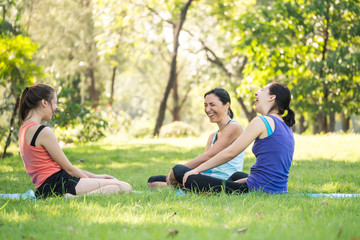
322	164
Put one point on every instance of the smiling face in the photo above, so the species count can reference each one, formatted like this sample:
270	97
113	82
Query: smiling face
215	109
263	100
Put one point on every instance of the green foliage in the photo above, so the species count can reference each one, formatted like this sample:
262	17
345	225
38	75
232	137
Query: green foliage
307	46
282	40
77	123
17	70
118	121
16	61
10	23
141	128
177	129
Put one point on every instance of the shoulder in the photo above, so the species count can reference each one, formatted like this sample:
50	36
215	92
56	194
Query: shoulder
30	129
235	127
257	122
232	130
211	136
46	133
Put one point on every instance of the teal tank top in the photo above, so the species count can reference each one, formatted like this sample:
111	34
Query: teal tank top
227	169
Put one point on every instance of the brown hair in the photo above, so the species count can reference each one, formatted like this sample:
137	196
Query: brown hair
31	97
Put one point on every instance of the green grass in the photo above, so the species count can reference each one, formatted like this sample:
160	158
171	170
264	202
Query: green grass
322	164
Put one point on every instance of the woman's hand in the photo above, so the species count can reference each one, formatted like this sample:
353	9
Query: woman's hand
243	180
168	181
189	173
104	176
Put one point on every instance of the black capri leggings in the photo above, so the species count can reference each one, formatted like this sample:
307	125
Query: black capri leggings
203	183
157	178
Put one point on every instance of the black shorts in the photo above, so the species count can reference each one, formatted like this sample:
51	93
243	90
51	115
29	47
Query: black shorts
57	184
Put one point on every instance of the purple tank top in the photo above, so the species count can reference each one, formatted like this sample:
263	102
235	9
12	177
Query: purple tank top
274	154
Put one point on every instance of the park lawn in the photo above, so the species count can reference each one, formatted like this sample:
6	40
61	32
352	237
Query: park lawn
322	164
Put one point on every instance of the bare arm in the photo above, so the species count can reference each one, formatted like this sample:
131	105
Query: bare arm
48	140
92	175
228	136
255	128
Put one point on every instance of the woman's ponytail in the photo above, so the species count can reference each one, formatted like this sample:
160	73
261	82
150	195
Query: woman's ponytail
230	113
289	119
23	108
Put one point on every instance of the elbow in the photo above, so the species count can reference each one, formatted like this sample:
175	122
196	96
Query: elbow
230	155
70	170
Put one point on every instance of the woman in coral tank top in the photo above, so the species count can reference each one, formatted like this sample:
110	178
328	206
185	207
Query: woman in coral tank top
50	170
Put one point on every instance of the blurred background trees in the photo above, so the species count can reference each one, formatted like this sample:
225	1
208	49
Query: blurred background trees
132	66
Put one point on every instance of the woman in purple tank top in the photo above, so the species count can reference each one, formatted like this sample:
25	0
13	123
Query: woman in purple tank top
273	148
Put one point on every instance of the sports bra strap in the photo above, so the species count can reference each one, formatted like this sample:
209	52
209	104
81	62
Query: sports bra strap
267	124
36	135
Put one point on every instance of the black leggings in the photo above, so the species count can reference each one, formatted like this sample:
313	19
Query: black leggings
203	183
157	178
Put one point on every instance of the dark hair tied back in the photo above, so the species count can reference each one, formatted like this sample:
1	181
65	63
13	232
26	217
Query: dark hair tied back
31	97
224	97
282	102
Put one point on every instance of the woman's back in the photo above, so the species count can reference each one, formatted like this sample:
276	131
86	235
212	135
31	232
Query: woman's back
37	161
273	160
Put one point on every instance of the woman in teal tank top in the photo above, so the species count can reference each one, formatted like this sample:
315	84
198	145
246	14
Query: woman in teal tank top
217	108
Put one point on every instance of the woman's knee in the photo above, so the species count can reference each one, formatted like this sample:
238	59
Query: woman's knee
238	175
126	187
87	185
179	172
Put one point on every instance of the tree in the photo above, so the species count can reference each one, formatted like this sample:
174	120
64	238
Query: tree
311	46
16	67
118	35
220	49
66	33
177	27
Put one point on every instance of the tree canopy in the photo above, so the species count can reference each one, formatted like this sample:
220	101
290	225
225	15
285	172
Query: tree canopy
152	61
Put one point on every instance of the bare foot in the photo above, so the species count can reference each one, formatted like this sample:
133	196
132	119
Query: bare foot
69	195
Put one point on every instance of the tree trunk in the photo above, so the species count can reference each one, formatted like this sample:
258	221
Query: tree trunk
161	113
172	75
302	127
324	124
317	124
331	122
8	140
94	95
249	114
322	74
176	108
111	100
345	121
91	50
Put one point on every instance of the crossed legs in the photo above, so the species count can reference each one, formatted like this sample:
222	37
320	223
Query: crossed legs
204	183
